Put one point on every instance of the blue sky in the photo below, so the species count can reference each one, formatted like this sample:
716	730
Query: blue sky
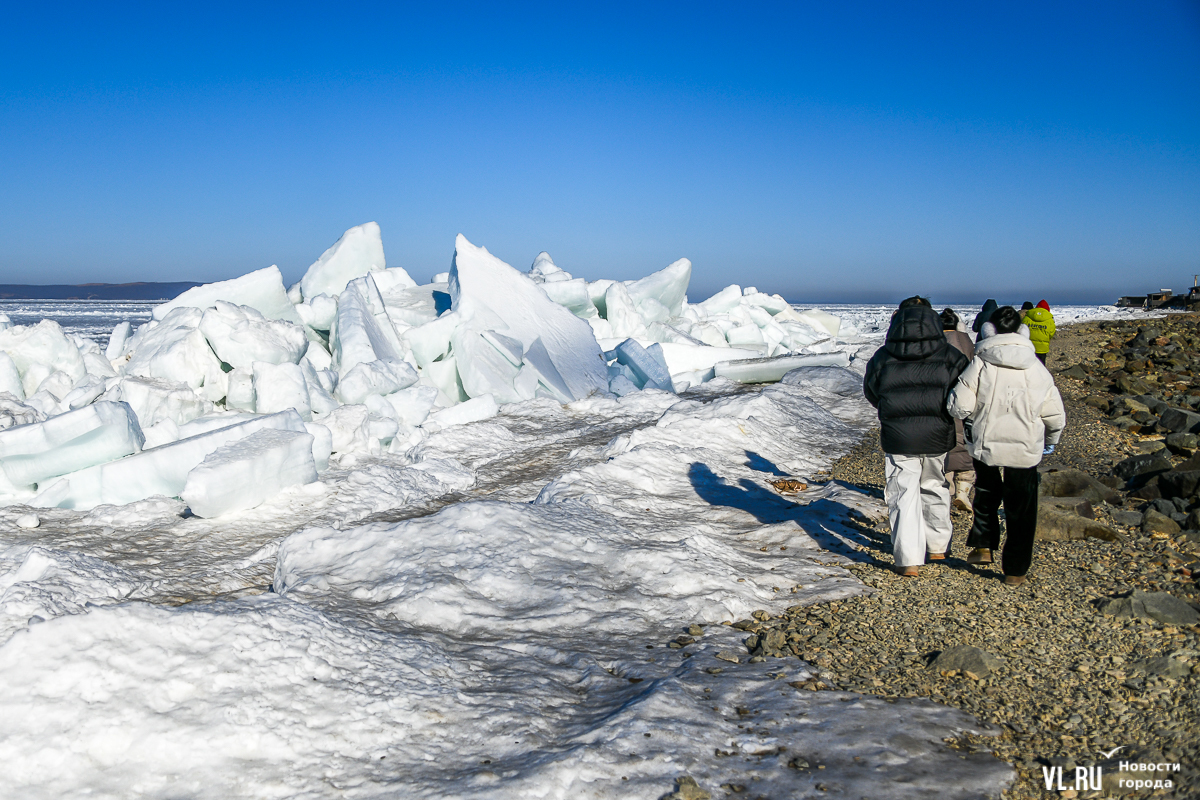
863	152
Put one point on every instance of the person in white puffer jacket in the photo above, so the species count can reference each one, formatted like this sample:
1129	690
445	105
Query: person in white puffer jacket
1014	415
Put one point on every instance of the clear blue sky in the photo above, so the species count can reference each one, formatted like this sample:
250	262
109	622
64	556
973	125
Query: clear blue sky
824	151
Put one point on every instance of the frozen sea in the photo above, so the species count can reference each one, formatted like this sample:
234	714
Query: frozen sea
484	616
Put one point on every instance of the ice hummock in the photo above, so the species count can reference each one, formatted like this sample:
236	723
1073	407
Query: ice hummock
384	361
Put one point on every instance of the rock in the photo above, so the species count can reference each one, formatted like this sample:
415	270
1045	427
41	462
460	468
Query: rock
1151	445
1149	491
1183	443
1075	371
28	521
1193	521
1158	606
1075	483
727	655
1179	484
1094	400
1131	385
1142	465
966	658
1131	519
1070	505
1180	421
769	642
1163	666
1059	520
686	788
1157	522
1152	403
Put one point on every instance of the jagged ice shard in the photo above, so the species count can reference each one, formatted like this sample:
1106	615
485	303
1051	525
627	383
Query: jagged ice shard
490	295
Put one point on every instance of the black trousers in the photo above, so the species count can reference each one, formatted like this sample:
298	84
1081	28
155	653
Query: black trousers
1041	357
1017	488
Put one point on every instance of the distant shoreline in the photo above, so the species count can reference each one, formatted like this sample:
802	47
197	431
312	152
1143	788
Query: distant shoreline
95	291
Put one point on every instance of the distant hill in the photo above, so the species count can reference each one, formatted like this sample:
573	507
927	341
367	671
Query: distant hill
94	291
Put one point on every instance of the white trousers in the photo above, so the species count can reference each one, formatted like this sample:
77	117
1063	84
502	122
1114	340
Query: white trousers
918	498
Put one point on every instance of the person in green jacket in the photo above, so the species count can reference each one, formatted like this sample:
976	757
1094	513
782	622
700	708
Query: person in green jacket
1041	329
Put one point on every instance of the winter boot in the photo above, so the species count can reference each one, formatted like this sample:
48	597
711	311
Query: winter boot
963	482
980	555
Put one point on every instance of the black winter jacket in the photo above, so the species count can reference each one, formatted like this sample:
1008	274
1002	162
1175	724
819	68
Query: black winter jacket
909	379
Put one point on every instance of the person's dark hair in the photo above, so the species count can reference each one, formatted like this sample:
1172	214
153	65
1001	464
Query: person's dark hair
915	300
1006	319
1026	306
949	319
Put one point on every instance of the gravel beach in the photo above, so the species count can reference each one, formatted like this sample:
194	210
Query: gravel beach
1067	683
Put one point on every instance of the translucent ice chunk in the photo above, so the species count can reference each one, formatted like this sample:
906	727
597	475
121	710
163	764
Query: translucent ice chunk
242	474
10	378
280	386
357	252
240	335
572	295
374	378
650	372
42	344
822	320
362	332
174	349
154	400
94	434
667	287
725	300
117	339
490	295
688	358
622	314
770	370
473	410
318	312
261	290
161	471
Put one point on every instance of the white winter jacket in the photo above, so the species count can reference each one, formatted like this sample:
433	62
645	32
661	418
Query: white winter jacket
1014	407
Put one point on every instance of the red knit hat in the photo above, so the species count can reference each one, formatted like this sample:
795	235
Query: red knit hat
1044	304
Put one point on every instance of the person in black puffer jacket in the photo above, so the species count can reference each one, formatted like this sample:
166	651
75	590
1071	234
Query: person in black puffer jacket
908	380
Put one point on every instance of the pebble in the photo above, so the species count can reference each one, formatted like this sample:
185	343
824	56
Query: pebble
28	521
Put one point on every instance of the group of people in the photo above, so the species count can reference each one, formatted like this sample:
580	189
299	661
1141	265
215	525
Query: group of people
955	412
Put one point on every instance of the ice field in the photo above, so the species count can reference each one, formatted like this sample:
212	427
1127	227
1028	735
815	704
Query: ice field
368	538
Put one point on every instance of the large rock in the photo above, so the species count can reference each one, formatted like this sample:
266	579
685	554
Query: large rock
1142	465
1163	666
1063	519
1075	483
1183	443
1180	421
489	295
1179	484
966	658
1158	606
1157	522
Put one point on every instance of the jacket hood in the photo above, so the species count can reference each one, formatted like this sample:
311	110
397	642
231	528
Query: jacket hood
984	314
1044	304
1039	314
915	333
1008	350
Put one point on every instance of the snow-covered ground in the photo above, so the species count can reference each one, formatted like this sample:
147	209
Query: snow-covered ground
481	612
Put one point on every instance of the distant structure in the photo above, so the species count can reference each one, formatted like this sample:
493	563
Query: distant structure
1165	298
